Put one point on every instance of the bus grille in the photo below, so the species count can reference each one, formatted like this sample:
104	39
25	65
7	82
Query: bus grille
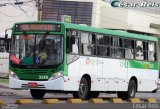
34	74
38	86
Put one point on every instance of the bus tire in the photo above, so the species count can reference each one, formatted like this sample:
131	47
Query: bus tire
132	88
37	94
83	91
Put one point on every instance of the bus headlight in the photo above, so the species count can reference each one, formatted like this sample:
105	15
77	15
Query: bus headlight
12	74
56	75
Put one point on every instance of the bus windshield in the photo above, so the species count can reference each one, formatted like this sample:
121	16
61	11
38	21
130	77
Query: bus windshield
36	49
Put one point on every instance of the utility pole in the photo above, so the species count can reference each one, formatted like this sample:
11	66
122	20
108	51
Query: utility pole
39	5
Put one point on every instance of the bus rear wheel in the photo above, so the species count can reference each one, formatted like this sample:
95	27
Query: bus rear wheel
37	94
132	88
83	91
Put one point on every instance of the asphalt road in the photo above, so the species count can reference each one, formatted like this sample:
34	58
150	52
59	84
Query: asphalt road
89	106
10	96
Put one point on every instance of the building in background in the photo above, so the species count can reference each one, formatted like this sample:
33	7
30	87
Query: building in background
96	13
80	12
100	13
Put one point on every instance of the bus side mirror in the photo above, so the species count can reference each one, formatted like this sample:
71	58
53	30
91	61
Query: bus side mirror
6	37
6	43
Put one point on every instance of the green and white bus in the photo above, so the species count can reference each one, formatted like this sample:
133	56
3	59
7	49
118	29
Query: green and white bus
51	56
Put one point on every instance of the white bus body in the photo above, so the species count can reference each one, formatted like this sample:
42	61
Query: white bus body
95	61
109	75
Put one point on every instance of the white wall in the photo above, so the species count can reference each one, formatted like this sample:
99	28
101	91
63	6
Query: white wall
119	18
113	18
10	14
141	21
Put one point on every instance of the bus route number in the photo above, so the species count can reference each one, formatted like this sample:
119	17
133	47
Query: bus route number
43	77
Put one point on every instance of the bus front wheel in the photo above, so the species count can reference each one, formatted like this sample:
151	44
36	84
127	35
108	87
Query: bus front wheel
83	91
132	88
37	94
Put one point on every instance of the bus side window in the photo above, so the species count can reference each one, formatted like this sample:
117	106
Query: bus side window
103	46
8	44
72	41
92	38
151	51
117	51
129	46
145	50
88	43
139	50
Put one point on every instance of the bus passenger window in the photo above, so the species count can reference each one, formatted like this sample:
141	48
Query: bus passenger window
103	48
92	38
145	50
103	40
139	50
106	40
151	51
72	42
88	44
129	46
115	42
101	51
100	39
117	51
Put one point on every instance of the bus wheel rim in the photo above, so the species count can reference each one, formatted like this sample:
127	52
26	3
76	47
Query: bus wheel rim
132	91
82	89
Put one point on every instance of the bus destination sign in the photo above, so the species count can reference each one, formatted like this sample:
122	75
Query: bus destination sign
37	27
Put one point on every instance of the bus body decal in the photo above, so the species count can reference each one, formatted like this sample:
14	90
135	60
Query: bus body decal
139	64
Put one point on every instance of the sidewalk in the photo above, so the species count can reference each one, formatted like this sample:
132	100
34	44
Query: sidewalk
4	75
5	90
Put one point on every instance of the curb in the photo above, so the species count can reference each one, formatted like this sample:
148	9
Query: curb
151	100
117	100
2	102
50	101
79	101
74	101
24	101
134	100
96	100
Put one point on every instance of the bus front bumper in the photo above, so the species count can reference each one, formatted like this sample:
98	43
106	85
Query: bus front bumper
57	84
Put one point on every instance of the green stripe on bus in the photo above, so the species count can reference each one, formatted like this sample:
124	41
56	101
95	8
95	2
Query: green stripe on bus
142	65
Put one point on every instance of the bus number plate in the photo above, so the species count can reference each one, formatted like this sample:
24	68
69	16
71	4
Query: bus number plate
43	77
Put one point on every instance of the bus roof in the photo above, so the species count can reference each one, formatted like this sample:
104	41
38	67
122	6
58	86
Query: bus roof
99	30
111	32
